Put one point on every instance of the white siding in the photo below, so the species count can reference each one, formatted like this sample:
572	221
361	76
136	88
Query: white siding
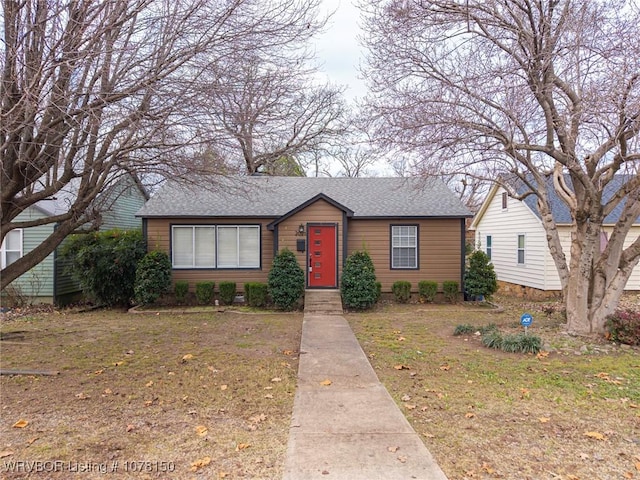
539	270
504	226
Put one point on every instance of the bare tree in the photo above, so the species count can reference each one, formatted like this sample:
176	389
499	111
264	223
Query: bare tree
264	108
93	90
529	90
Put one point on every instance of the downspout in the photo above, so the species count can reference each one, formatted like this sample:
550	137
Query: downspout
463	251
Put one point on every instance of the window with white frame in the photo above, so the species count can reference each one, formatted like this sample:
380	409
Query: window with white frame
11	248
489	245
521	245
404	246
211	246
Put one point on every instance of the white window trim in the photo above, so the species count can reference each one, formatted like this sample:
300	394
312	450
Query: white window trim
415	247
218	264
3	250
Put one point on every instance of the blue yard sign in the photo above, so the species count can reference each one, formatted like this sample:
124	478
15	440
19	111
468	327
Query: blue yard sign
525	320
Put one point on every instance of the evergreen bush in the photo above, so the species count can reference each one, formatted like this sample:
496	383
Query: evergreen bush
401	291
427	290
181	289
451	290
227	292
255	294
104	264
204	292
286	280
153	277
358	284
480	276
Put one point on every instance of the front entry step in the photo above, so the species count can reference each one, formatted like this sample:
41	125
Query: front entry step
322	302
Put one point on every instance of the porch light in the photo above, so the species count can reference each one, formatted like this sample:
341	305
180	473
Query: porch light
301	229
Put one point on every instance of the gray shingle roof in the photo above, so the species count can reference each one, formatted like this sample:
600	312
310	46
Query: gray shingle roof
559	209
263	196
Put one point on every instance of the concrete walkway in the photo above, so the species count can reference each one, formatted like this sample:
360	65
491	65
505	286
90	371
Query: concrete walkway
350	428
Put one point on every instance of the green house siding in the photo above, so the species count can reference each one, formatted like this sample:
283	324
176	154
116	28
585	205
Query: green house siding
50	281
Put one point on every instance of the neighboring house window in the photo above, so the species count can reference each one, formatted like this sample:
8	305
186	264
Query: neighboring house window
520	249
489	246
404	246
504	200
11	249
211	246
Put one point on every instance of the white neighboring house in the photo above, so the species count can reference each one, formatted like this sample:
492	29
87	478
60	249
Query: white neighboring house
510	231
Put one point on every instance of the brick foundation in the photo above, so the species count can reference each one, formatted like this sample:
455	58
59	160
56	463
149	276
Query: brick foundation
529	293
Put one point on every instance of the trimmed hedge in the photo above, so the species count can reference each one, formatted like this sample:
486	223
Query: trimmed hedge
358	285
204	292
401	291
286	280
181	289
451	290
427	290
227	292
255	294
153	277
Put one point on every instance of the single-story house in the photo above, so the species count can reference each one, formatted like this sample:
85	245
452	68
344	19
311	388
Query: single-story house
413	229
511	233
49	281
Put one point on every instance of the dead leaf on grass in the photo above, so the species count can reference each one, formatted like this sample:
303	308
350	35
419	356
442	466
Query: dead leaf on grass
542	355
326	383
82	396
21	423
445	367
470	415
402	458
118	364
595	435
198	464
393	449
242	446
487	468
149	383
258	418
276	379
187	357
401	339
409	407
268	395
131	428
201	430
401	367
223	387
288	352
544	419
98	372
627	475
406	398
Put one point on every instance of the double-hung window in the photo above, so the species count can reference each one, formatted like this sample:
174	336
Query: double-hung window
404	246
521	249
11	248
215	246
489	246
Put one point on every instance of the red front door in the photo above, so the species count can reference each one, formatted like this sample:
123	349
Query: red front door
322	262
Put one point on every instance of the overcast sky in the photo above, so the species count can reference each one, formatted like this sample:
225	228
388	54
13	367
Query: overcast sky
338	51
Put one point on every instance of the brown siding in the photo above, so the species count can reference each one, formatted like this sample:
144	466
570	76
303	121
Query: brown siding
318	212
439	249
159	233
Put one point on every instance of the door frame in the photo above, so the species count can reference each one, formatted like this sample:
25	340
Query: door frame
309	226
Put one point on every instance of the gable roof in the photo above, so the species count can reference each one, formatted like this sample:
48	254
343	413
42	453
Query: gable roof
559	210
264	196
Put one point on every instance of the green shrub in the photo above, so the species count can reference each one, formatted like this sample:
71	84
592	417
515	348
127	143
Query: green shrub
521	343
204	292
255	294
623	326
378	290
464	329
181	289
480	277
492	339
427	290
492	327
286	280
153	277
451	290
227	292
401	291
104	264
358	284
